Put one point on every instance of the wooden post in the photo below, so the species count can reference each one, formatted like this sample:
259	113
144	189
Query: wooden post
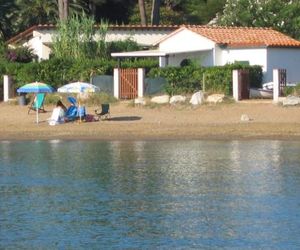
203	82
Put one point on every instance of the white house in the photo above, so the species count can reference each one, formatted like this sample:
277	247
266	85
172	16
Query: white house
40	37
217	46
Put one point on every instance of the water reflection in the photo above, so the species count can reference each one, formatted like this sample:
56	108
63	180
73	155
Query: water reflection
161	194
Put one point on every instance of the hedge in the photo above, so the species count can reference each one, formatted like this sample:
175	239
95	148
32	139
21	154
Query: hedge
214	79
58	72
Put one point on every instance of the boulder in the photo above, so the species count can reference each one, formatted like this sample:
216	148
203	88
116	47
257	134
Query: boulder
197	98
291	101
215	98
140	101
177	99
245	118
160	99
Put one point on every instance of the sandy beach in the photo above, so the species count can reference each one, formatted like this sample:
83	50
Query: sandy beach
218	122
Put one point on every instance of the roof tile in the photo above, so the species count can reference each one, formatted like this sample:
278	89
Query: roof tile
244	36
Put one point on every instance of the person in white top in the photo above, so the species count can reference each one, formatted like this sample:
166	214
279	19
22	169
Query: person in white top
58	114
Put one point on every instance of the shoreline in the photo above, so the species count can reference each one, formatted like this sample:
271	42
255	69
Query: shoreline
128	123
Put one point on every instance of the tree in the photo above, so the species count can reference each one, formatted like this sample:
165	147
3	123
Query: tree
142	9
7	10
282	15
201	11
155	12
63	9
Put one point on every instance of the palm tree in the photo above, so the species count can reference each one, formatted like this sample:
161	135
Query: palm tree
7	11
63	9
35	11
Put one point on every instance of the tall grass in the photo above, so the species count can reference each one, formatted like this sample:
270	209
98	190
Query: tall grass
75	38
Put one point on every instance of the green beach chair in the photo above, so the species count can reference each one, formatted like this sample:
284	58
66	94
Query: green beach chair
105	113
38	102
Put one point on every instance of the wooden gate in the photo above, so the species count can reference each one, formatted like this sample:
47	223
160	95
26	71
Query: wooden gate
128	88
282	80
243	84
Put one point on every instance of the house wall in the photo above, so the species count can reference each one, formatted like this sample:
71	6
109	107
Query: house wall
204	58
285	58
255	56
186	40
46	36
142	37
36	45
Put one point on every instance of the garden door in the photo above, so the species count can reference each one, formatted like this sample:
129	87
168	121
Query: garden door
243	78
128	83
282	80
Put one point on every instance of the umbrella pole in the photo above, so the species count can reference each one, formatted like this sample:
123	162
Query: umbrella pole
37	112
79	107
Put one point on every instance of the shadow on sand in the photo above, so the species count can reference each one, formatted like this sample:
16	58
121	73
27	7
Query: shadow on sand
125	118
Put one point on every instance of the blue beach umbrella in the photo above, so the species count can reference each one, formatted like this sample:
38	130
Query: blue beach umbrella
35	87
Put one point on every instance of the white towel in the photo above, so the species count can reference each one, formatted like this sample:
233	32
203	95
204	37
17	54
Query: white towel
57	116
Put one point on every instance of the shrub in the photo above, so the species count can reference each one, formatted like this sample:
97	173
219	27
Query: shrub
100	98
20	54
292	90
214	79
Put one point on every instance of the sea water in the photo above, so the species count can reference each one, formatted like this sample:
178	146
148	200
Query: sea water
150	194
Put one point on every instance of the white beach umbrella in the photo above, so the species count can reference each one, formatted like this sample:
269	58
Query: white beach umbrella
78	87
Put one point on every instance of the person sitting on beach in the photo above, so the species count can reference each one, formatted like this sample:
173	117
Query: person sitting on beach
58	114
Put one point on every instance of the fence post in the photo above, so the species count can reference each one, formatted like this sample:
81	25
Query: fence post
276	85
141	76
235	85
7	92
116	82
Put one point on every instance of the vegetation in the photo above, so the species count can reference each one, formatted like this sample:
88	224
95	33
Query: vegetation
212	79
17	15
77	57
292	90
282	15
59	71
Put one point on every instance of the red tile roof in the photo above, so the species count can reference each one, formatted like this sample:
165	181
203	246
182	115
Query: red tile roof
27	33
244	36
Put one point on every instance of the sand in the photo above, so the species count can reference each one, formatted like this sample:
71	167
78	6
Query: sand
217	122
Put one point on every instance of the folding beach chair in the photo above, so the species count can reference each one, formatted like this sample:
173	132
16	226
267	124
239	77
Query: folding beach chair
105	113
72	110
38	103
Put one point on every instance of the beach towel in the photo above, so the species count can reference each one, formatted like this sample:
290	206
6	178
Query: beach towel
57	116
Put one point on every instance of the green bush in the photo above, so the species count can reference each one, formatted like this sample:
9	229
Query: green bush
188	79
179	79
290	90
97	99
20	54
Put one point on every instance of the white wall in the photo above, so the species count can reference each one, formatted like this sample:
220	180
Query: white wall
46	36
36	44
285	58
204	58
186	40
143	37
255	56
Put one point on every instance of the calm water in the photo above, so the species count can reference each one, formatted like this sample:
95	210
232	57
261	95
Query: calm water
150	195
